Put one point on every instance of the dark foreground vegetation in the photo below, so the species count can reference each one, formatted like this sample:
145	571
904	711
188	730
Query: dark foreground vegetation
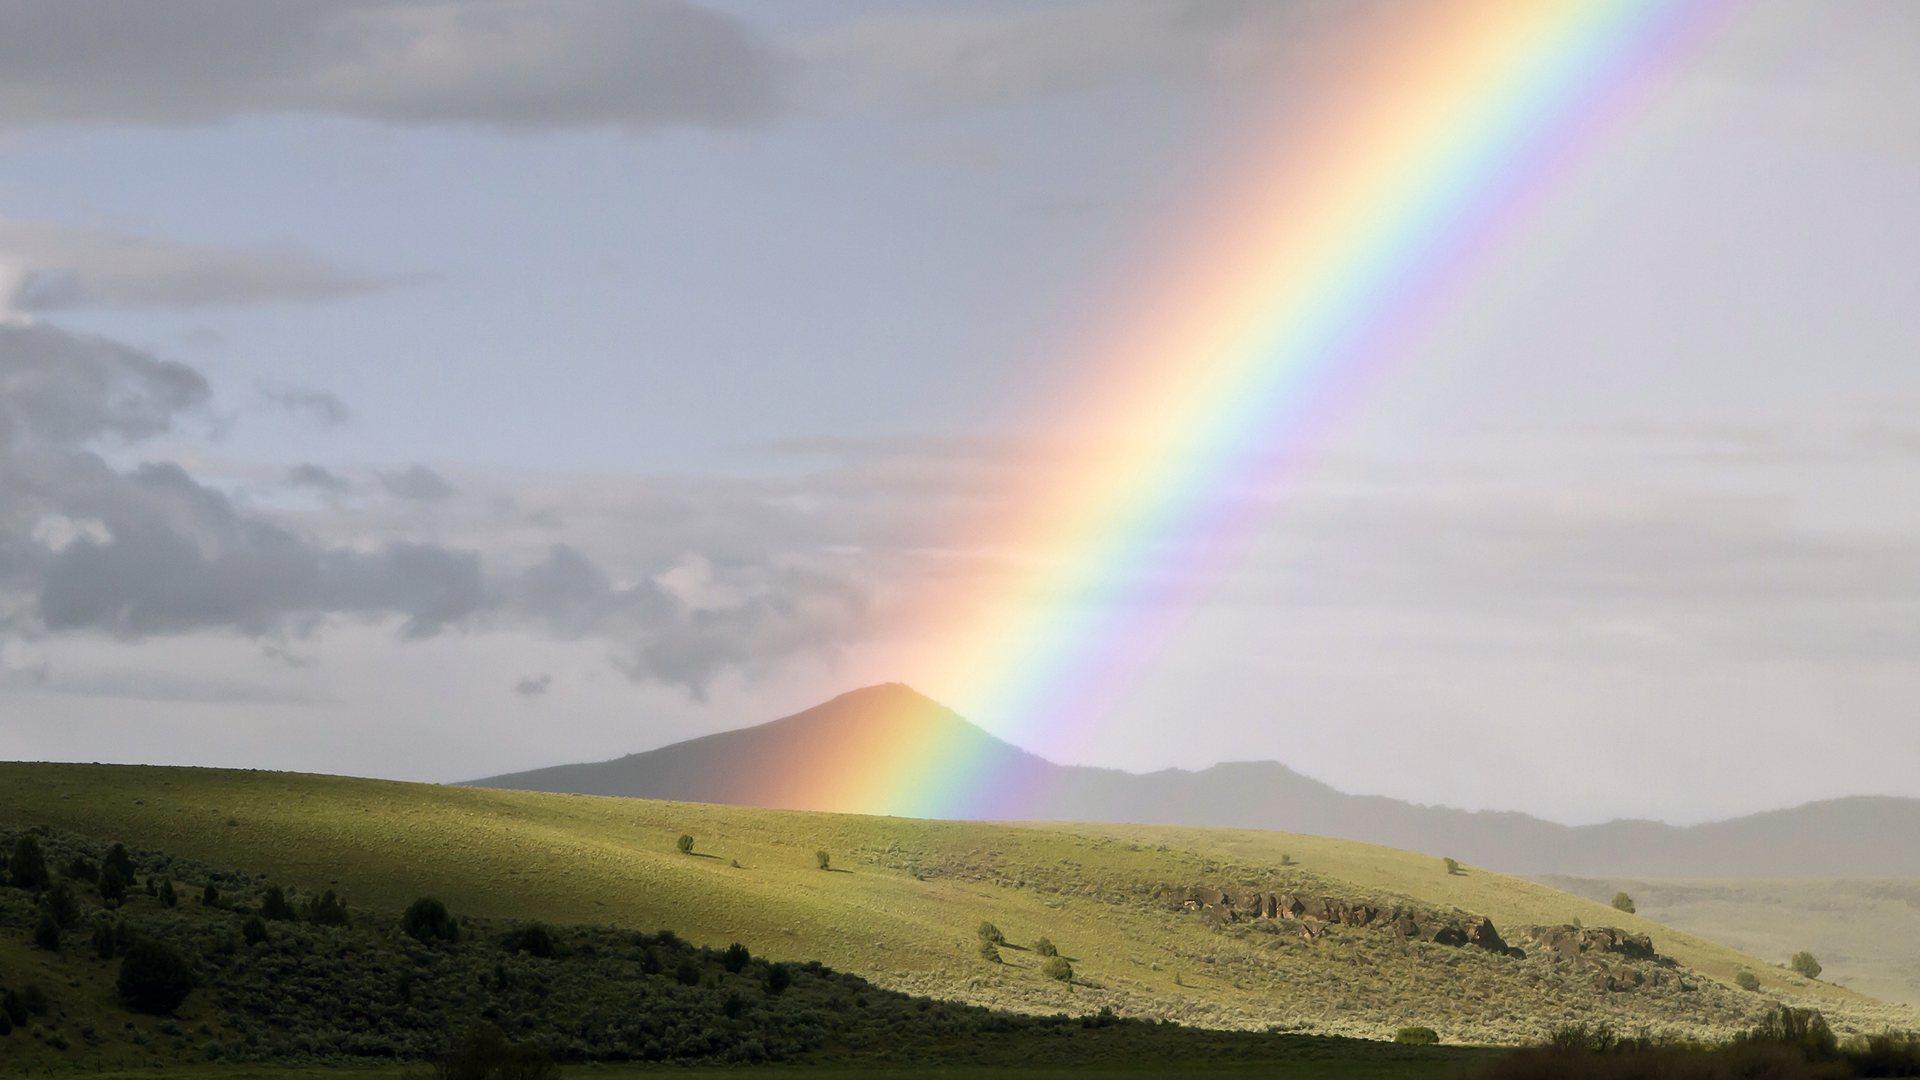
1791	1044
119	957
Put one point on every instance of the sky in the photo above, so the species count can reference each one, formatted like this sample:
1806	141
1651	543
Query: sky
432	390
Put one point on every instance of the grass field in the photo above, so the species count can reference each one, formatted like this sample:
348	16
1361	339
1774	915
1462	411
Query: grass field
902	902
1359	1066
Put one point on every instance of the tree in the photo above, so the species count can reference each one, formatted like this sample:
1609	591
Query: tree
1057	967
1453	865
735	958
61	904
688	973
778	979
1746	980
46	933
988	953
534	939
209	896
276	906
104	940
427	919
83	869
685	844
328	910
254	930
113	884
1623	902
154	977
118	859
28	866
1804	963
1045	947
825	860
991	935
172	899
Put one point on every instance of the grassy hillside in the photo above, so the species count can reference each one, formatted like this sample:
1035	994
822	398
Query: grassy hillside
904	898
1866	933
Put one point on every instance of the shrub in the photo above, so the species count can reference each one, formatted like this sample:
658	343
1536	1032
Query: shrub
14	1007
685	844
118	860
209	896
1746	980
1452	864
28	866
46	933
534	939
484	1053
113	884
735	958
1417	1036
1623	902
1286	859
62	905
105	942
83	869
988	953
276	906
825	860
687	974
1804	963
427	919
1045	947
328	910
778	979
1057	967
154	977
254	930
991	935
1804	1030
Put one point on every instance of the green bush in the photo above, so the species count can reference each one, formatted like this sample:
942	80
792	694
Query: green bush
823	859
113	884
1045	947
1417	1036
534	939
209	896
46	933
118	860
27	869
1452	865
989	953
735	958
254	930
778	979
1805	1030
1623	902
105	941
991	935
1746	980
275	905
687	974
154	978
1804	963
82	868
427	919
1057	967
328	910
685	844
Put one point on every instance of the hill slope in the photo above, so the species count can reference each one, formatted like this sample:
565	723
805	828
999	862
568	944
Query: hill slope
904	899
1866	837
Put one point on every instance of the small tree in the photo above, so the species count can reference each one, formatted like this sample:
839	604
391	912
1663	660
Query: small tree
427	919
825	860
1452	864
778	979
1623	902
1045	947
688	973
534	939
991	935
254	930
62	905
171	898
209	896
1804	963
82	869
105	942
118	859
735	958
154	978
685	844
113	884
1746	980
28	866
988	953
46	933
1057	967
1286	859
276	906
328	910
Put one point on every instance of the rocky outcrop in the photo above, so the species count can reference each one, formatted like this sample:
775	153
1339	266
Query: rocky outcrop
1613	958
1310	915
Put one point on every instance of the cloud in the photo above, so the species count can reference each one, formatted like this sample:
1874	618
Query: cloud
50	267
319	479
417	484
635	64
150	551
532	686
323	408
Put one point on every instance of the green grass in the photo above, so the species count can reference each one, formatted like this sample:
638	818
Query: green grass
902	903
1360	1066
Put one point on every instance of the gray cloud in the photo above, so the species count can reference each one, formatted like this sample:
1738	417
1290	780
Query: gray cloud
49	267
508	63
321	407
533	685
86	547
319	479
417	484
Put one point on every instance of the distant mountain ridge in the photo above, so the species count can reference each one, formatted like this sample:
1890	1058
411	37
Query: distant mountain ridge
1858	837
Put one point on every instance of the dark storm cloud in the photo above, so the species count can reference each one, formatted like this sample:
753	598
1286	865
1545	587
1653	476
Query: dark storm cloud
49	267
508	63
148	551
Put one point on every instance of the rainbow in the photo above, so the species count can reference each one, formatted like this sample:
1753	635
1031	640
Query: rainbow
1305	281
